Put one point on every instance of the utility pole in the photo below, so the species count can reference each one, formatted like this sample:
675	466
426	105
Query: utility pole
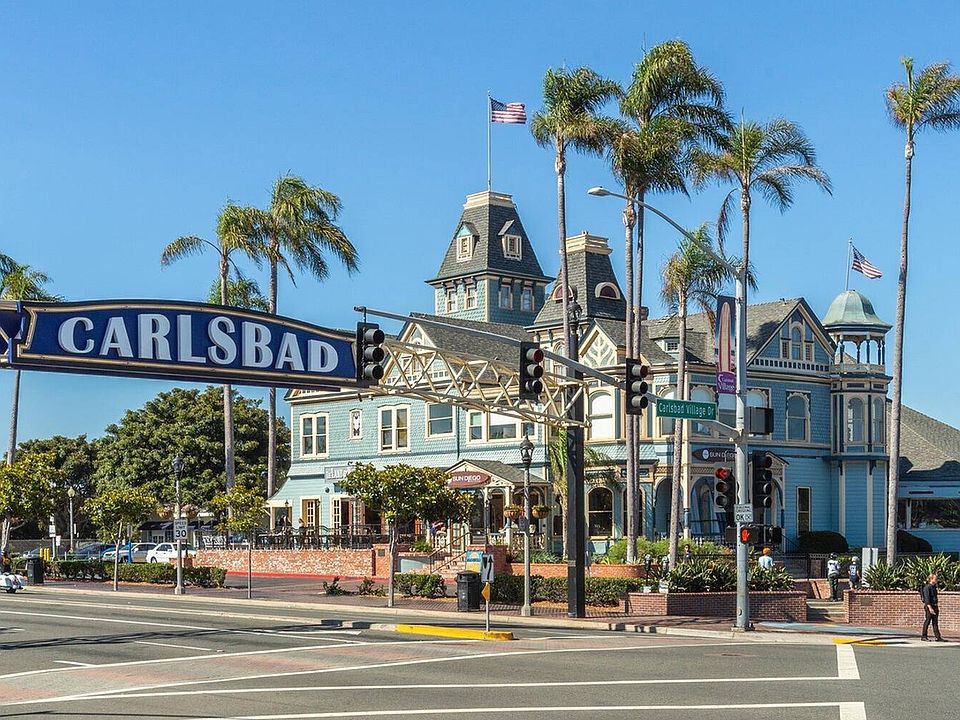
742	621
576	532
177	472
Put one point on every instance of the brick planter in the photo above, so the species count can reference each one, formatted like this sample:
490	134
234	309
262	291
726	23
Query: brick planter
345	563
550	570
899	608
773	605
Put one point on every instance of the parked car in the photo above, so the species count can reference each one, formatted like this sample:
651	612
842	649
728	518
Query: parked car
136	551
35	553
90	551
165	552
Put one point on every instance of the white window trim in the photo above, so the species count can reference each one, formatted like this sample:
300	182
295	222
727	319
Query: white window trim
848	421
612	416
426	418
326	424
471	243
500	304
450	301
507	253
809	511
485	430
806	400
394	449
350	434
603	286
470	293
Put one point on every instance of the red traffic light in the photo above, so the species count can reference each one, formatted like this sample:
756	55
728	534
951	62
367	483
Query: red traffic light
722	474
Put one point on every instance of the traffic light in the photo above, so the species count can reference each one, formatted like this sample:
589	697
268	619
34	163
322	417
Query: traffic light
751	534
370	354
762	480
531	370
724	492
637	387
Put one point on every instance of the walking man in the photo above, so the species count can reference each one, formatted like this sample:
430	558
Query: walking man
833	575
931	608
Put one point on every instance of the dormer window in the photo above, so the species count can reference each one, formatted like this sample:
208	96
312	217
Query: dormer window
556	295
466	240
671	345
608	291
512	247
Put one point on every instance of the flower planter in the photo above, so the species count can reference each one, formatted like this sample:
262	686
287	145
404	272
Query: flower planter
512	511
540	511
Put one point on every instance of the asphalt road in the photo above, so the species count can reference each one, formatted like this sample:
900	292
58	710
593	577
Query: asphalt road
73	655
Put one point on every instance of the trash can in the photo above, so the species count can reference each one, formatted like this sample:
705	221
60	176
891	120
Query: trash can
35	571
468	591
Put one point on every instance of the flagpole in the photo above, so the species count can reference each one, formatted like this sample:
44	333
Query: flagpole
489	155
849	261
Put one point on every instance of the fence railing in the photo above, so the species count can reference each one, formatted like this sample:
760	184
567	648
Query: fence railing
348	537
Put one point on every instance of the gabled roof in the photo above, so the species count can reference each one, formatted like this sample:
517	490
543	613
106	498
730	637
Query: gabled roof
498	469
488	216
448	338
929	449
588	258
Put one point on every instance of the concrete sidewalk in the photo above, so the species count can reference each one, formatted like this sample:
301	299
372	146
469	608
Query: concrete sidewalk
308	595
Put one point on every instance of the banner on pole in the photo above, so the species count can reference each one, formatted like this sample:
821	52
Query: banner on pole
723	342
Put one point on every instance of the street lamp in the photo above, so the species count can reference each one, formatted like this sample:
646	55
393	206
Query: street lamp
71	494
526	457
739	435
177	472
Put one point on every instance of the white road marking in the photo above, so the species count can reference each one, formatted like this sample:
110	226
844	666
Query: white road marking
847	663
71	662
371	666
174	645
454	711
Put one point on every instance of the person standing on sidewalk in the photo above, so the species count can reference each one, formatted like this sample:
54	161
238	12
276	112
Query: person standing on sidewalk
833	575
766	560
854	574
931	608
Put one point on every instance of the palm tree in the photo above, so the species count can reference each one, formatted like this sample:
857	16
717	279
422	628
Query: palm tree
297	230
931	99
242	292
672	105
232	236
691	274
570	118
20	282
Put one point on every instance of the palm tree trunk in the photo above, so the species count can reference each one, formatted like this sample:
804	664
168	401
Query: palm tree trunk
14	412
228	449
893	467
676	499
272	395
629	220
561	168
636	322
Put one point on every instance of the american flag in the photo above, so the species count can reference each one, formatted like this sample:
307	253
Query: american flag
862	265
513	113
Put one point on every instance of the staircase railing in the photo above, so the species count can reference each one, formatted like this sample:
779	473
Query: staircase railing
439	560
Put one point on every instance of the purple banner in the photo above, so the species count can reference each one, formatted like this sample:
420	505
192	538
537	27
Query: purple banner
723	342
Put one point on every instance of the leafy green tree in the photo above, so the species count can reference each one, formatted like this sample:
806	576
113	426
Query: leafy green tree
402	494
20	282
113	512
298	230
242	292
75	459
571	119
137	451
233	236
672	105
928	100
690	274
243	509
25	492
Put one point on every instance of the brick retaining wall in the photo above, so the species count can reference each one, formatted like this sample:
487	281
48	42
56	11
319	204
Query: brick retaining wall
899	608
773	605
345	563
560	570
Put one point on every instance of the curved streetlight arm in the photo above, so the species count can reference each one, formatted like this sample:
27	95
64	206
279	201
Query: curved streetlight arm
603	192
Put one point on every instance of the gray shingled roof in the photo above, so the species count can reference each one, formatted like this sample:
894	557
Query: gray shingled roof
488	253
448	338
929	449
587	270
502	470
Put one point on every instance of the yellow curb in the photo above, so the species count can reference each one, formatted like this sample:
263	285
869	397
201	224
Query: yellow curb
451	632
845	641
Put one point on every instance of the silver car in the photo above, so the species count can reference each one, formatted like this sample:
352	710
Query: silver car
138	552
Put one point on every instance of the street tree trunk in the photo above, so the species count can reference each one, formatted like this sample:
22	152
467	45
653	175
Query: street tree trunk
677	498
635	331
14	412
229	463
629	220
116	558
893	468
392	535
272	395
561	168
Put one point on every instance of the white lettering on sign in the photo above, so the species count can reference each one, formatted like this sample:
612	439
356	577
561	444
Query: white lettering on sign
225	342
68	335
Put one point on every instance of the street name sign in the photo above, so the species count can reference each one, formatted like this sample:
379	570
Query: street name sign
687	409
180	529
168	339
743	513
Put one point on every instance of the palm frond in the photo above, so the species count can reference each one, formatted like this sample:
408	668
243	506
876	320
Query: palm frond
180	248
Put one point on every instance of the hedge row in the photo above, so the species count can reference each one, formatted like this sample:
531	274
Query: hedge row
416	585
157	573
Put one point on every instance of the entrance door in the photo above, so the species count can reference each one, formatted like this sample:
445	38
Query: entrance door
496	511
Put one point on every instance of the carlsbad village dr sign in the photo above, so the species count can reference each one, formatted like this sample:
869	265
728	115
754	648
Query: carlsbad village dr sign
175	341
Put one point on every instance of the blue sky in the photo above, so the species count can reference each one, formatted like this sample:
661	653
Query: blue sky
125	125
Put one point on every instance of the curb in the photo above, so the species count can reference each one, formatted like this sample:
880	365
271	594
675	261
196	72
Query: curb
450	632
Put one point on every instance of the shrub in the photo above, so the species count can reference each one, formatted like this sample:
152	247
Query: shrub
702	576
158	573
508	589
822	541
333	587
421	545
79	569
369	587
911	543
542	556
916	570
884	577
417	585
775	579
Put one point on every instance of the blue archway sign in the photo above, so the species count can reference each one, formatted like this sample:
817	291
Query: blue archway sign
174	340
